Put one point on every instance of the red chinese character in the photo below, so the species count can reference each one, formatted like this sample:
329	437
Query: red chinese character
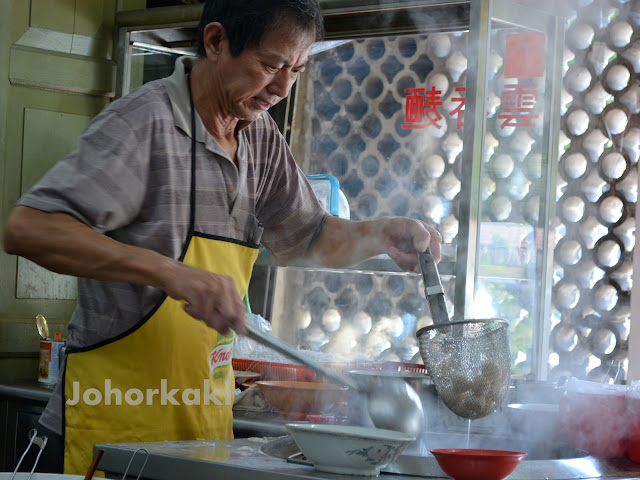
420	104
458	112
519	101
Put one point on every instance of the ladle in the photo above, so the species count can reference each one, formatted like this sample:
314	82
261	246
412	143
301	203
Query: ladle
392	405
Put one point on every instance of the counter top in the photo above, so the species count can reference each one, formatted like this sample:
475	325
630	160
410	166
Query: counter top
28	390
245	459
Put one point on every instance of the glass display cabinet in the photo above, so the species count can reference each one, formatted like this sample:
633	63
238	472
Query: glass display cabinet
446	111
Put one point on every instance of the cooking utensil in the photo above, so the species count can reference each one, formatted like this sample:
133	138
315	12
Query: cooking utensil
43	327
469	360
394	407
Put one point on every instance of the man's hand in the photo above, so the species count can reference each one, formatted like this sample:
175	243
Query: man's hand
211	298
402	237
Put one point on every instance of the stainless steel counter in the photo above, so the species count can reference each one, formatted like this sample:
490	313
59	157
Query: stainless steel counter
245	459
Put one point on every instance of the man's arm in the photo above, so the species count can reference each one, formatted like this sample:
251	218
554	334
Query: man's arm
60	243
343	243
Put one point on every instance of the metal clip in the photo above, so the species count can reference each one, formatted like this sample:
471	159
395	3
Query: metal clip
40	442
124	477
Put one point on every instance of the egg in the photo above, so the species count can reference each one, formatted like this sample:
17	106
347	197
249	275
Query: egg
439	45
578	78
581	36
574	165
573	209
616	121
620	34
578	122
608	253
456	64
611	209
617	78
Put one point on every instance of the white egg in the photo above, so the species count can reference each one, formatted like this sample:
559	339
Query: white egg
456	64
620	33
616	121
573	209
581	36
574	164
432	207
611	209
569	253
448	228
605	298
434	166
304	319
578	78
502	165
449	186
609	253
568	295
439	81
452	146
440	45
578	122
331	319
617	77
500	207
614	165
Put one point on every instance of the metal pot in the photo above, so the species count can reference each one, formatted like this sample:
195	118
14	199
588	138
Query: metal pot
358	407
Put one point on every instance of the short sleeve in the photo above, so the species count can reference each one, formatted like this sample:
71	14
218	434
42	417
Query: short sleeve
287	207
102	183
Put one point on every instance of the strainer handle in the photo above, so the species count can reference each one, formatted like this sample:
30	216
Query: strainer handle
433	288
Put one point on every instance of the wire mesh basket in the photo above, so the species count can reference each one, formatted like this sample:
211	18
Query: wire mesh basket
470	364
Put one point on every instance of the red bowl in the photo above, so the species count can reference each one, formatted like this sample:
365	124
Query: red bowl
472	464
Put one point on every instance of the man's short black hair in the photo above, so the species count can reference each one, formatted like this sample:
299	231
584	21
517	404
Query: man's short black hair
246	21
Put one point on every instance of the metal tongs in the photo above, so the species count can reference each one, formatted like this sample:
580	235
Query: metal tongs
392	406
34	439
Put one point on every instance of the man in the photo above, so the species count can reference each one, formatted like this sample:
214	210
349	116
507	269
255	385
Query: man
160	212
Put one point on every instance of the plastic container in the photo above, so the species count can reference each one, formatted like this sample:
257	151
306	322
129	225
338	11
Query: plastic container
633	411
594	418
327	190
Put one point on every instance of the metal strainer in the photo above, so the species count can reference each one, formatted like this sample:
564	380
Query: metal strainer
469	361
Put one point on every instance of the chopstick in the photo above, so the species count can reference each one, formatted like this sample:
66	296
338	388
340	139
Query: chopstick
94	465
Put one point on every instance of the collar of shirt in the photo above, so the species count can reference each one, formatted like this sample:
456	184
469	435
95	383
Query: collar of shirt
178	91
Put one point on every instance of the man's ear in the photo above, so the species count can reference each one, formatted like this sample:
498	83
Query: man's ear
214	38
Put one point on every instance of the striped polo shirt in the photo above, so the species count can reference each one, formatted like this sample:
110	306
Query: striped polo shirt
130	177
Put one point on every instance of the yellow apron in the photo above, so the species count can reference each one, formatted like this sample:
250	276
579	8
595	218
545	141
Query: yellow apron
168	378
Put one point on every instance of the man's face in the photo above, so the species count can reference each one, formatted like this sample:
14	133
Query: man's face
260	77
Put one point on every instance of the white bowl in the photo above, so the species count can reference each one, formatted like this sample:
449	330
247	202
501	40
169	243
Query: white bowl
348	450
